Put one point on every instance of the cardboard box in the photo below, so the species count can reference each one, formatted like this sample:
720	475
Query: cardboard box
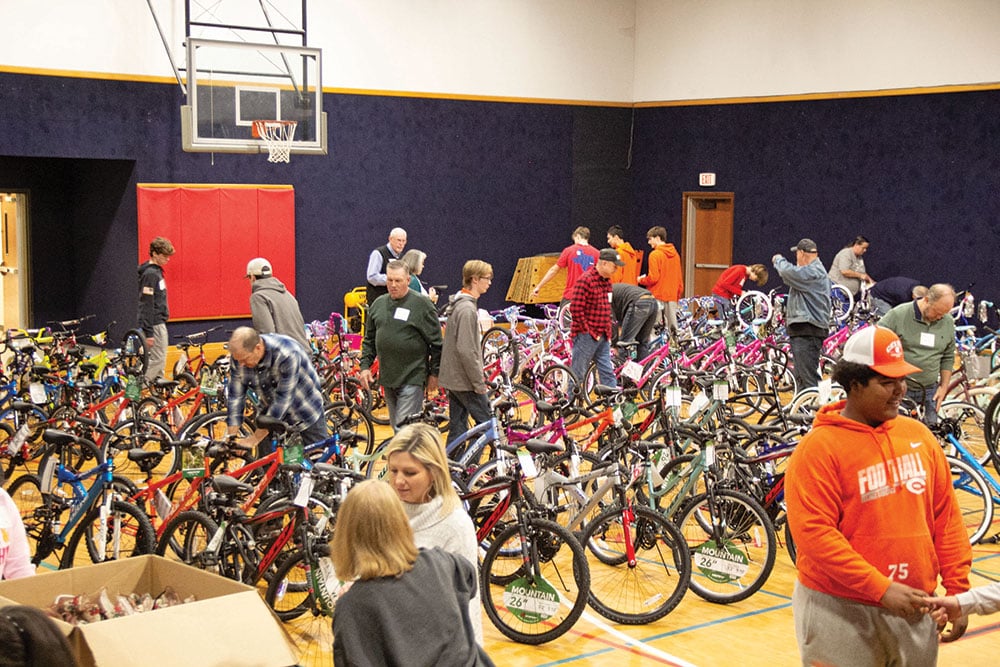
229	624
528	273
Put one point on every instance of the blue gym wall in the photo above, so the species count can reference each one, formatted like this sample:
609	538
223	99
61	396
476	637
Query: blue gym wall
915	174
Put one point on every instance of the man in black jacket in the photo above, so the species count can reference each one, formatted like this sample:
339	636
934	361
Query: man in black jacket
153	311
273	307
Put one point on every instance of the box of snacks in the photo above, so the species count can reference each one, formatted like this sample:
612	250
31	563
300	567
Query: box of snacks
149	609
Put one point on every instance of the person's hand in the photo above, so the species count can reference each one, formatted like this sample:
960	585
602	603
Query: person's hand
904	601
432	294
432	385
775	258
150	341
945	608
939	396
366	378
957	629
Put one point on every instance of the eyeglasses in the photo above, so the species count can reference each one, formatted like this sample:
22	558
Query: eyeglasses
490	278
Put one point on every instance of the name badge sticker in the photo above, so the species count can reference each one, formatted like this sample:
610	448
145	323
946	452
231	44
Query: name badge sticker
401	314
926	339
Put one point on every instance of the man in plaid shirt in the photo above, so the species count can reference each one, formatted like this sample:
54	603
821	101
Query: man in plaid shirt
590	309
279	371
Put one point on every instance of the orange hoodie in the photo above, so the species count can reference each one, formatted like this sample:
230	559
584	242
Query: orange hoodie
664	278
870	505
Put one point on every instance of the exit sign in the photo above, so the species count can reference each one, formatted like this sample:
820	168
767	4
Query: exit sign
706	179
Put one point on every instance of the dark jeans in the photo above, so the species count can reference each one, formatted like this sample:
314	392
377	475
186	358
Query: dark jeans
924	396
316	432
638	323
462	405
805	354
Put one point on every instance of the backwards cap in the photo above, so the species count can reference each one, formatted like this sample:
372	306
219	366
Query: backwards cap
879	349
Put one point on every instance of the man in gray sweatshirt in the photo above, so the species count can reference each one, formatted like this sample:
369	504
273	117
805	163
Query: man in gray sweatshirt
274	308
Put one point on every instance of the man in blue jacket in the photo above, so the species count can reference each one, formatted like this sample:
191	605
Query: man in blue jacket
807	313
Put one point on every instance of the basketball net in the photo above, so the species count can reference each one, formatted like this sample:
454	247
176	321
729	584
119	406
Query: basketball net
277	137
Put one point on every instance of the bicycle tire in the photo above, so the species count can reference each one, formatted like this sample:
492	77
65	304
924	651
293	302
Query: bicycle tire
974	496
147	434
291	596
554	383
750	545
498	343
651	586
991	430
841	303
185	539
526	412
26	492
344	416
129	525
549	546
135	356
564	318
971	420
752	307
793	553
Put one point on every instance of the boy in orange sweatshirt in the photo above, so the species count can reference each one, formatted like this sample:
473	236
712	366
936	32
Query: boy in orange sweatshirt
875	520
665	278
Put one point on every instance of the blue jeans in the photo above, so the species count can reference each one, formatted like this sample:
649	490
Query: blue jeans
462	405
805	354
585	350
638	323
924	396
403	401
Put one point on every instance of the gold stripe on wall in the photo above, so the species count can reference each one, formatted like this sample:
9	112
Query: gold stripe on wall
709	101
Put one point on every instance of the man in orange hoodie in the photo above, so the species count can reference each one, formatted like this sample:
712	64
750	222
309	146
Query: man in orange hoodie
874	519
665	278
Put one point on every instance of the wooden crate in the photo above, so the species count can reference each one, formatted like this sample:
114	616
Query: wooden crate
528	273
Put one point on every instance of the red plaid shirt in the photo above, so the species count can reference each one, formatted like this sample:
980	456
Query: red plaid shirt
590	307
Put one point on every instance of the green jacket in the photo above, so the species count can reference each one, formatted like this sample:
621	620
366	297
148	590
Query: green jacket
405	335
929	345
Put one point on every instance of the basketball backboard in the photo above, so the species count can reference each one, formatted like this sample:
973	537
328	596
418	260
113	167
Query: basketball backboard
232	84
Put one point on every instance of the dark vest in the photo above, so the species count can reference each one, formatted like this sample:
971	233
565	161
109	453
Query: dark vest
372	292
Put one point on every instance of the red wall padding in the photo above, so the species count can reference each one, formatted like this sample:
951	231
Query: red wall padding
216	231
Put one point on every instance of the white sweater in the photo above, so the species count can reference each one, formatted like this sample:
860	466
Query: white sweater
454	533
15	554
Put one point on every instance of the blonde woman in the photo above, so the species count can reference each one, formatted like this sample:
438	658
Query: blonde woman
408	606
417	468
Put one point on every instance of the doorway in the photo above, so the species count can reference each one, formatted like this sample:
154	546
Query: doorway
14	272
706	239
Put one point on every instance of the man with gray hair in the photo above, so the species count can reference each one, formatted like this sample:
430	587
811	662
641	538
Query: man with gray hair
273	307
927	330
279	370
379	258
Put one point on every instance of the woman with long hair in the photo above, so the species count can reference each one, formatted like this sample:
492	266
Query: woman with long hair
406	606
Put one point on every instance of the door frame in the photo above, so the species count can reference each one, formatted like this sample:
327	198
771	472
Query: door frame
688	218
22	234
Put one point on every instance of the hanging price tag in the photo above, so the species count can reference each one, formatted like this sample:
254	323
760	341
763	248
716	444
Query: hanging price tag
720	390
699	401
632	370
305	490
709	453
672	396
824	388
527	465
37	392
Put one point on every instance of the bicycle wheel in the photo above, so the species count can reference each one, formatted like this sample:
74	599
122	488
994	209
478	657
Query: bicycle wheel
793	553
134	353
564	318
974	497
26	492
991	430
732	544
123	531
753	307
146	434
555	383
647	587
970	420
841	303
548	581
526	411
498	343
341	416
291	594
186	538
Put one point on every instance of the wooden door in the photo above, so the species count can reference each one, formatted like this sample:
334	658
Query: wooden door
11	273
706	239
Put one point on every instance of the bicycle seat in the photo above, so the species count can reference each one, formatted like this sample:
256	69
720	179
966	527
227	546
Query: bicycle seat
164	383
272	424
230	486
22	406
59	438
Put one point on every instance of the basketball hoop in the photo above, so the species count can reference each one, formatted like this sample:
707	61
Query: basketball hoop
277	136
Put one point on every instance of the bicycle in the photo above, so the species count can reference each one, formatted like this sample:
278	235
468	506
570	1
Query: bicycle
108	527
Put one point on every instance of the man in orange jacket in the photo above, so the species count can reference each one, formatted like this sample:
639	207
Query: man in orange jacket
874	519
665	278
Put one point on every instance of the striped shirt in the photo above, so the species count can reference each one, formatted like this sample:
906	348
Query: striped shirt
285	380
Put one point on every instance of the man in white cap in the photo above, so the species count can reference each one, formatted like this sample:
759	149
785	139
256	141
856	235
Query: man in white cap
874	519
274	308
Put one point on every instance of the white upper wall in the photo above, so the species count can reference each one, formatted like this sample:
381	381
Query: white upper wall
697	49
587	50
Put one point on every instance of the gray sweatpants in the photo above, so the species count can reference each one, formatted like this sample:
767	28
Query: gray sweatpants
835	632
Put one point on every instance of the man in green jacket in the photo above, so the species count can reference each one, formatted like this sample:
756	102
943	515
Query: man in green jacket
927	330
403	331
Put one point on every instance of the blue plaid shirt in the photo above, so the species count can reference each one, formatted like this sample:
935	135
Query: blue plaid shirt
286	381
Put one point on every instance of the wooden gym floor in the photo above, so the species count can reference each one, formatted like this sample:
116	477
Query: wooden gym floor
758	631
